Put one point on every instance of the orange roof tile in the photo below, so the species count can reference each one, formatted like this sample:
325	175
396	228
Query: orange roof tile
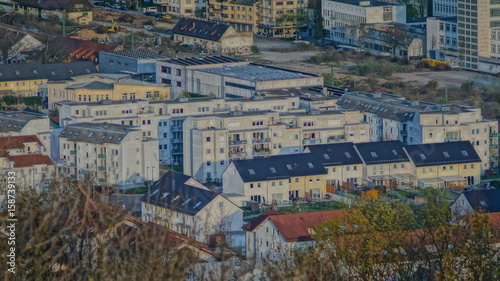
18	141
30	160
258	220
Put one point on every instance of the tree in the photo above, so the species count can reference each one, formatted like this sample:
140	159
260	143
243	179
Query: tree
298	19
395	36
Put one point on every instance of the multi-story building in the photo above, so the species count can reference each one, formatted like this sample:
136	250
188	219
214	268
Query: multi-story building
274	179
185	205
344	19
271	15
183	8
25	123
442	36
391	117
26	157
212	36
444	8
240	14
222	77
140	64
96	87
78	11
30	79
211	142
164	119
447	164
109	154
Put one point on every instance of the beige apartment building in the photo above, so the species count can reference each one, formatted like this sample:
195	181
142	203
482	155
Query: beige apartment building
270	11
211	142
240	14
392	117
110	155
96	87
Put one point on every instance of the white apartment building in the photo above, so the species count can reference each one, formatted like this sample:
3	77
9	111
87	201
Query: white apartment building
110	154
222	77
391	117
211	142
183	204
24	123
183	8
444	8
164	119
343	19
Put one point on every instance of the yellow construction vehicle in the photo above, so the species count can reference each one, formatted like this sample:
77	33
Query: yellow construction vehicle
113	28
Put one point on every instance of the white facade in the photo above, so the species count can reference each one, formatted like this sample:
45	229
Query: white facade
442	39
444	8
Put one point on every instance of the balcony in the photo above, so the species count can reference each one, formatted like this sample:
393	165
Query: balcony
102	168
102	180
311	141
404	132
73	176
236	142
263	140
177	128
72	152
101	155
493	146
452	139
72	164
261	152
177	140
177	151
238	154
339	139
84	172
494	135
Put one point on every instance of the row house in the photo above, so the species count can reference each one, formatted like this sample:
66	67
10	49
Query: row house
211	142
104	86
26	157
183	204
274	179
78	11
109	154
392	117
345	166
240	14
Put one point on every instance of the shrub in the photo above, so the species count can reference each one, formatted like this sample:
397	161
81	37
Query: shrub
442	67
255	49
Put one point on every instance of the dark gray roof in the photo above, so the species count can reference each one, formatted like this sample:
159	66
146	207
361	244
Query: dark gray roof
171	192
279	167
484	200
442	153
335	154
14	121
200	29
57	4
97	133
50	71
381	152
204	60
136	54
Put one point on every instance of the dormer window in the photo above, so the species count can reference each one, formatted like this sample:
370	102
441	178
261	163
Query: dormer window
374	154
251	171
464	153
446	155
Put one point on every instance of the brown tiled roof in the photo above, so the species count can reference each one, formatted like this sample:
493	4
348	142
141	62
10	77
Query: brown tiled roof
18	141
258	220
294	227
30	160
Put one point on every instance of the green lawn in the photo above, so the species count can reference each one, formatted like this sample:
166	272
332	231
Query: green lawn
175	168
312	207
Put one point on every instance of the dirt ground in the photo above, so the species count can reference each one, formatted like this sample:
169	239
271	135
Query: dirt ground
448	79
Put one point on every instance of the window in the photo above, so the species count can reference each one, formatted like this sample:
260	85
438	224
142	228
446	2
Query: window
208	139
178	72
209	163
347	155
178	83
251	171
310	165
446	155
374	154
464	153
273	170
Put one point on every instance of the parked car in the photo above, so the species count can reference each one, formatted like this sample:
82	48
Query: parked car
124	8
115	6
162	16
152	14
99	3
148	27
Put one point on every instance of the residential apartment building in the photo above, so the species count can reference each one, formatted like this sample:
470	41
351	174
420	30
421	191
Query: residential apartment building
242	15
185	205
96	87
212	36
270	13
391	117
344	19
274	235
30	79
447	164
164	119
274	179
211	142
26	157
442	39
26	123
78	11
110	155
223	76
444	8
140	64
182	8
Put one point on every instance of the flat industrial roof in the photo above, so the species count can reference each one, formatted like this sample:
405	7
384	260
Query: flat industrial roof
257	72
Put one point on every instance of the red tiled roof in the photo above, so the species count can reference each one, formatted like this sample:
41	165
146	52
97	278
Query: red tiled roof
18	141
30	160
55	119
258	220
90	49
294	227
